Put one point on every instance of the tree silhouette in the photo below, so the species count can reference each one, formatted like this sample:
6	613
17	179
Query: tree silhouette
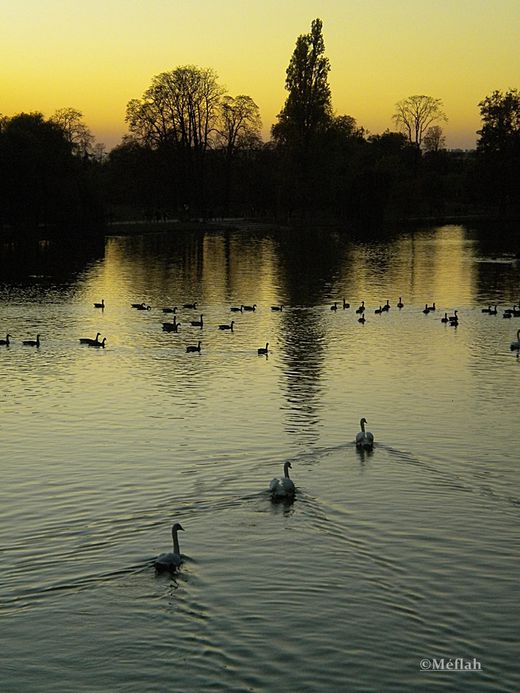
74	129
178	115
498	148
416	114
308	108
305	117
238	130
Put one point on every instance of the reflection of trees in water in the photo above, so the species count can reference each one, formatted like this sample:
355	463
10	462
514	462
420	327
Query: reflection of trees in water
30	258
309	263
498	278
303	334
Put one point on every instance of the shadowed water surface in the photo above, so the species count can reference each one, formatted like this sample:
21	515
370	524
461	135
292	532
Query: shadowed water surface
385	558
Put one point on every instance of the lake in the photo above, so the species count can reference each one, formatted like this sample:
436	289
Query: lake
388	561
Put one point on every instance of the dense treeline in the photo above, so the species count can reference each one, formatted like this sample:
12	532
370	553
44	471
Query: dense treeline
45	182
194	151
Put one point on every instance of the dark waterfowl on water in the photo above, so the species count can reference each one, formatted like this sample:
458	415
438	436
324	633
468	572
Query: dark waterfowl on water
227	327
88	340
171	561
364	439
282	488
32	342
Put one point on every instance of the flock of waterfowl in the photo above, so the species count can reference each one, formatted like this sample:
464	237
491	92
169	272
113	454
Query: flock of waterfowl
452	320
280	489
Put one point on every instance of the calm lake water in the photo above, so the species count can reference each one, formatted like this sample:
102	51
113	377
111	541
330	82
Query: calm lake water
386	558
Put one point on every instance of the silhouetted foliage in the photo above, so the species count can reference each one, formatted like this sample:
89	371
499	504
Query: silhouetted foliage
75	131
308	108
43	184
498	150
415	114
177	116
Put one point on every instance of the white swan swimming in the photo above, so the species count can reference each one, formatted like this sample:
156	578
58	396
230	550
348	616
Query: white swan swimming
171	561
284	487
516	345
364	439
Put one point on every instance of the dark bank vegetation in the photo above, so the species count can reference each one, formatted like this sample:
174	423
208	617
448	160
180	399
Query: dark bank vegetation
195	152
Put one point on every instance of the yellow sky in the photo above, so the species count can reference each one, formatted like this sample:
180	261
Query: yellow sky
95	56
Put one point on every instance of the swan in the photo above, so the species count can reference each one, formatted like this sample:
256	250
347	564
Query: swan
33	342
516	345
400	304
386	307
236	309
227	327
277	308
197	323
192	306
364	439
253	307
432	307
98	344
264	350
493	311
5	342
100	305
445	318
170	310
361	308
284	487
87	340
426	309
191	348
345	305
171	561
334	306
171	326
378	311
507	314
362	320
141	306
454	317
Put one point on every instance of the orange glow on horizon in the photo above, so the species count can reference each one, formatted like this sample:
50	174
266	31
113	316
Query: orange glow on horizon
96	58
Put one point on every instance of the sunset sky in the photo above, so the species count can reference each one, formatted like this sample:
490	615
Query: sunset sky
95	56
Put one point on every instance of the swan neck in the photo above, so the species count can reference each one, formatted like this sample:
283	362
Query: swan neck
286	470
176	548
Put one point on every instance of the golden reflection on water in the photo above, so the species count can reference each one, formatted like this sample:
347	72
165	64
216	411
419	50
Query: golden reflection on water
102	449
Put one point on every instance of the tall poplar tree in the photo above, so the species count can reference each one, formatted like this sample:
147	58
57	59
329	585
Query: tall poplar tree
307	109
305	117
